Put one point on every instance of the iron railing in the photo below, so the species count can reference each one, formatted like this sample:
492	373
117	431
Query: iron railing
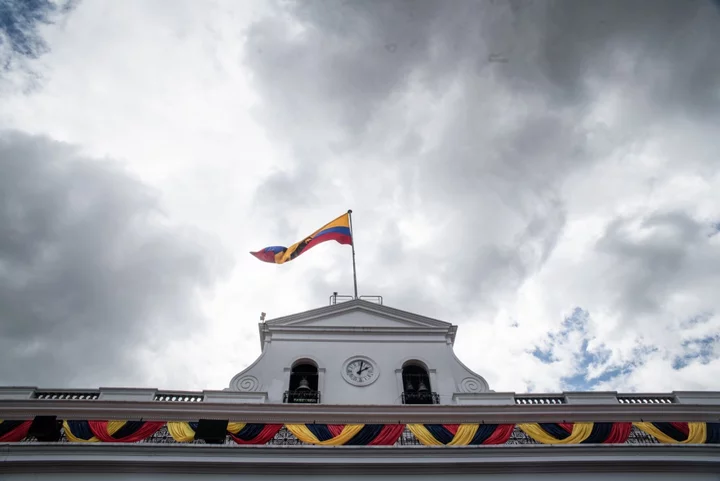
302	396
375	299
422	397
335	298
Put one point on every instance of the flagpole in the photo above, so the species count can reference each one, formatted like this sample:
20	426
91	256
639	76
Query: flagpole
352	235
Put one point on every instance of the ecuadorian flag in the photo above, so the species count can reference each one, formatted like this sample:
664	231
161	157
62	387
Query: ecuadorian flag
337	230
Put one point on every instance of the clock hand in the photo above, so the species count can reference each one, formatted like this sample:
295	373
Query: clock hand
361	365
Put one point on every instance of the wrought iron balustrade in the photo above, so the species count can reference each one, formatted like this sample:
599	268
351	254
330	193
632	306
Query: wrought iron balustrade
420	397
302	396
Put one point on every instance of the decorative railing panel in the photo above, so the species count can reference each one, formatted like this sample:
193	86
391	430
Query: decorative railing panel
178	397
645	399
304	397
420	398
540	399
67	395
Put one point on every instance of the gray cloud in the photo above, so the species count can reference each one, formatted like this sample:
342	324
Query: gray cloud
476	119
659	257
340	82
91	273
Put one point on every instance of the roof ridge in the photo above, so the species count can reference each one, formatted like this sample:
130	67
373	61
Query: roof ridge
355	303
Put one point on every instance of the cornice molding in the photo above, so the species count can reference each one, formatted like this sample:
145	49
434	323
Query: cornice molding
413	322
361	305
341	414
351	334
187	458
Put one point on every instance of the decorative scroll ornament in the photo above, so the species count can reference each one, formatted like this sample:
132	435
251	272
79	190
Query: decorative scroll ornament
472	384
247	384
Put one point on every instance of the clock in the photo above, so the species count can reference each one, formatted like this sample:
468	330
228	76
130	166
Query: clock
360	371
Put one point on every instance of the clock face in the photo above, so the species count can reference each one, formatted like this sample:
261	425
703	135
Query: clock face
360	371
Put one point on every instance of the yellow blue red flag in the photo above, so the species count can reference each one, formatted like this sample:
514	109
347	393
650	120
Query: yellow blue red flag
337	230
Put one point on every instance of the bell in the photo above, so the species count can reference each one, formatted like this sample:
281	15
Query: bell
304	385
422	387
408	386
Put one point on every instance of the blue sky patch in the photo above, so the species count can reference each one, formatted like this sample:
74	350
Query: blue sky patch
700	349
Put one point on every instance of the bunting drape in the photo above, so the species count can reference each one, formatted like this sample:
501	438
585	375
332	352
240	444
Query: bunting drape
250	433
713	433
552	433
324	434
124	431
79	432
182	432
461	434
13	431
347	434
673	433
578	433
382	434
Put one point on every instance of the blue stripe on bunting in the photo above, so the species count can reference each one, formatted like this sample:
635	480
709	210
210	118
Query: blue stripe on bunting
599	433
554	430
321	431
671	431
366	435
440	432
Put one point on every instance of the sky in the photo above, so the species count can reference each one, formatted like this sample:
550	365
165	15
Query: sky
543	175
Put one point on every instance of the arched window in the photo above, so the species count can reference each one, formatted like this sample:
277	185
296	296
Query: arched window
416	385
303	386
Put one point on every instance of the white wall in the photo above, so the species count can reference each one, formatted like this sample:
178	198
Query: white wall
390	343
274	372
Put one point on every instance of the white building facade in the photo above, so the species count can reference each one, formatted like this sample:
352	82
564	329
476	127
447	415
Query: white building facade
380	343
349	390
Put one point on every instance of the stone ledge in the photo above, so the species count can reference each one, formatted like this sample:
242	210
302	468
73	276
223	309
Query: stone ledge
484	398
17	393
236	397
126	394
343	460
591	397
366	414
706	398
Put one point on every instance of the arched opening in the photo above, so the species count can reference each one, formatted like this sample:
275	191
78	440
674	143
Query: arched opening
416	385
303	386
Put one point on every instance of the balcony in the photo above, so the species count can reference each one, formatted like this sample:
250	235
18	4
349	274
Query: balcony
417	388
421	397
303	396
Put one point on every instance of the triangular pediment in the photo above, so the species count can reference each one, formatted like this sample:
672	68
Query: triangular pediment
357	313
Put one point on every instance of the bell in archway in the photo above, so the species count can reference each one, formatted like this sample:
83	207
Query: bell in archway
422	387
304	385
408	386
